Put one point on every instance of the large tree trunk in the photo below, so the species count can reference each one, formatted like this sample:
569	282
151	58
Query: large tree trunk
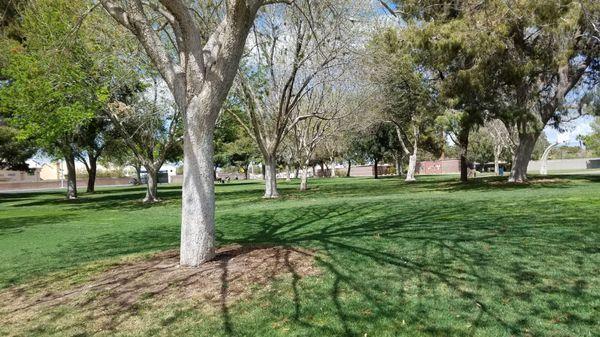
71	176
518	172
152	184
376	169
304	179
199	87
412	166
271	177
349	168
198	194
91	184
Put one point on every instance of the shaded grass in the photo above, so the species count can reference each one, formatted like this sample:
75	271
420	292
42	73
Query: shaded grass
433	258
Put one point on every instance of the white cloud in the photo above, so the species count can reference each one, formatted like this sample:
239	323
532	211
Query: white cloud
573	129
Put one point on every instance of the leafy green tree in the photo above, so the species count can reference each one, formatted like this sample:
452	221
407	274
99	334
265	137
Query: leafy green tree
481	147
513	60
524	59
53	80
233	145
374	143
91	139
14	151
592	141
407	98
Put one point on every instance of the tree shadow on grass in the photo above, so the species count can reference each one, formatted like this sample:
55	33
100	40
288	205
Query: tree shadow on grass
479	261
113	199
482	254
17	224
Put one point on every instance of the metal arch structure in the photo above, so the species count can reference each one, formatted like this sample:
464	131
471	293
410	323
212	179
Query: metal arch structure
544	160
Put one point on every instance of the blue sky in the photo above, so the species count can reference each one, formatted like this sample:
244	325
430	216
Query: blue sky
580	126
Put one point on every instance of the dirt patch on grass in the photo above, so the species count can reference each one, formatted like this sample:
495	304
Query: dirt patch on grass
233	274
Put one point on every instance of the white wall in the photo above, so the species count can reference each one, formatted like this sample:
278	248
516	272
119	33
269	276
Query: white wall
565	164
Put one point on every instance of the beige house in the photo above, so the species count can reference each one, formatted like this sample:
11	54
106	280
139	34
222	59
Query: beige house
51	171
19	176
37	172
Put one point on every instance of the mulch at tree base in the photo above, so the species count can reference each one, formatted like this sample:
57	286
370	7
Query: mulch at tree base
230	276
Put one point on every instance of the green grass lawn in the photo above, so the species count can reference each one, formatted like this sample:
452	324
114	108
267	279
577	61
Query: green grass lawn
433	258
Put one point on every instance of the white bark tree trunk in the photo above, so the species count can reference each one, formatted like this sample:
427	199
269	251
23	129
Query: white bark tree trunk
496	164
288	173
333	175
198	195
271	178
304	179
412	166
199	79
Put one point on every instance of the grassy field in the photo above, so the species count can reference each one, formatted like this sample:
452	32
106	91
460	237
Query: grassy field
433	258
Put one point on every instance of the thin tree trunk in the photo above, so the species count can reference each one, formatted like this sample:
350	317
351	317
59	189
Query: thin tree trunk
263	171
496	161
297	173
518	172
333	174
138	173
152	184
313	169
349	168
91	184
464	172
246	172
304	179
71	176
412	166
398	164
270	177
376	169
288	173
464	144
322	166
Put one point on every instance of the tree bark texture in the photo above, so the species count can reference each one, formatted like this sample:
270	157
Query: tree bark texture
71	176
271	178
